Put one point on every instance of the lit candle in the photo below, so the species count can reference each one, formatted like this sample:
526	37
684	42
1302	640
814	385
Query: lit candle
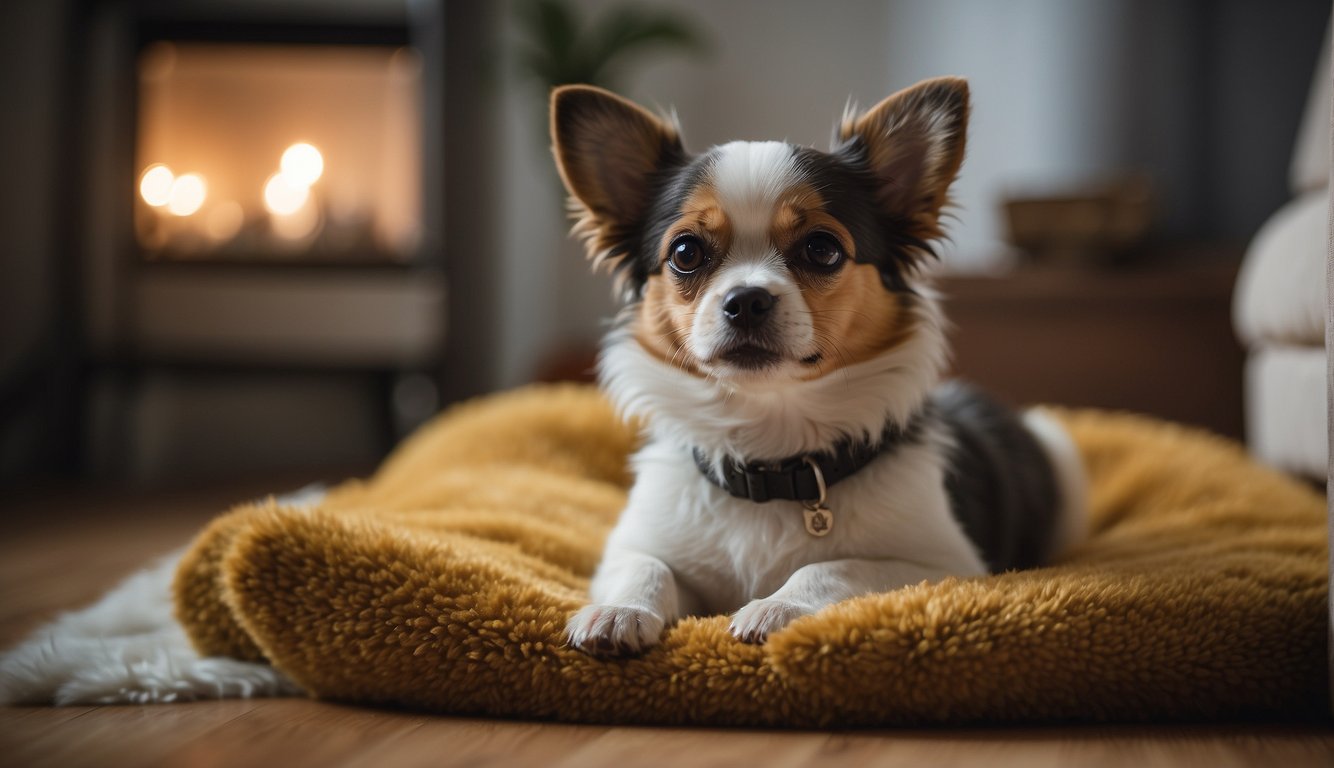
155	185
187	194
302	164
283	197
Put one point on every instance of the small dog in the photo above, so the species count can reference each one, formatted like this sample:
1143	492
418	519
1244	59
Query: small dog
785	353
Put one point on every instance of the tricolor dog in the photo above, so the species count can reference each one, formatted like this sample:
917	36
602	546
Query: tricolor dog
785	352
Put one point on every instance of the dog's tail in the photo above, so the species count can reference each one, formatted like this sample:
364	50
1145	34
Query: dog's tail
1071	524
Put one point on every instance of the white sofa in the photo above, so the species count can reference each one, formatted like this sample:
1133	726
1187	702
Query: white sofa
1280	304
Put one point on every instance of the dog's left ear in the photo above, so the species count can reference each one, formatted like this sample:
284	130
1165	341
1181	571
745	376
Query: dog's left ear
610	153
914	144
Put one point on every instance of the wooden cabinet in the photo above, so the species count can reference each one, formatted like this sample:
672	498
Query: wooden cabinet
1156	340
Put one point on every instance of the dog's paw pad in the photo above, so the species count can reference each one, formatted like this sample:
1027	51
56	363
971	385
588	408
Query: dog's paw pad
760	618
614	630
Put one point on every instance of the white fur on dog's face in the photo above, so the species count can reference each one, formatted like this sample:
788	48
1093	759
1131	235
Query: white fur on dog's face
749	180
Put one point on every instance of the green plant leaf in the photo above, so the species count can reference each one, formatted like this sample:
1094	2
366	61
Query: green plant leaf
553	36
558	52
627	30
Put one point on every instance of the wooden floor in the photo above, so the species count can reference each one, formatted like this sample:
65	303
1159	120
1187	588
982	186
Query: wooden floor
59	549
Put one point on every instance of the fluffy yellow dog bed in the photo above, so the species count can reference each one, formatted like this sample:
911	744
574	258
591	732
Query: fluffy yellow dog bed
444	583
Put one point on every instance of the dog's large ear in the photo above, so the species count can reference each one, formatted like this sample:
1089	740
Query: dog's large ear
609	152
914	144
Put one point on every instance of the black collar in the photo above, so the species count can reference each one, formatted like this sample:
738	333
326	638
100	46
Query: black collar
798	478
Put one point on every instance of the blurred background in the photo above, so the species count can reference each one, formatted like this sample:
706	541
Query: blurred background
256	236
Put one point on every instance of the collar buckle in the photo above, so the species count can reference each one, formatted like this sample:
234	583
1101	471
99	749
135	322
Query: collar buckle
757	489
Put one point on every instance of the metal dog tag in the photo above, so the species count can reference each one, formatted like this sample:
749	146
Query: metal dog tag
819	521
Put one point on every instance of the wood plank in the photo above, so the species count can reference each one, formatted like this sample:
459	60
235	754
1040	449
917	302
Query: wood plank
1142	746
442	742
129	735
697	747
294	733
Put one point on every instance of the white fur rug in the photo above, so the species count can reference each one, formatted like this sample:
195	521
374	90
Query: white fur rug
128	648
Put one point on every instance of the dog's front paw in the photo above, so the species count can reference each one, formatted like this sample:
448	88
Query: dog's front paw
760	618
614	630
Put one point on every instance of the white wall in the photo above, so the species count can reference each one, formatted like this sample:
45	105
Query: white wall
781	69
535	254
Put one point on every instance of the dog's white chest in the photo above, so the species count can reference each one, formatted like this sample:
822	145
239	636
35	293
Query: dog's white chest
728	551
722	549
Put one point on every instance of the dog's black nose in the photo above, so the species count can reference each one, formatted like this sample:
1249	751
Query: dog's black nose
747	306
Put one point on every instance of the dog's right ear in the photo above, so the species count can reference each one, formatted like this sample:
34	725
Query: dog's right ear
609	152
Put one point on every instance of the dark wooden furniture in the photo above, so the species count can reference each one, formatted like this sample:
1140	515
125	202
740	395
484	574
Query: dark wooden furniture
1153	339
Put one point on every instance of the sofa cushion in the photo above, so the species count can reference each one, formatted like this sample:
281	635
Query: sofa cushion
1285	408
1280	295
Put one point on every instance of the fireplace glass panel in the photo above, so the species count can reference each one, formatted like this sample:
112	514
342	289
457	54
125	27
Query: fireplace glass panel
257	152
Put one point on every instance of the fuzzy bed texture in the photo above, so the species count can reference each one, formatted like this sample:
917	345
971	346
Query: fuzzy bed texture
444	582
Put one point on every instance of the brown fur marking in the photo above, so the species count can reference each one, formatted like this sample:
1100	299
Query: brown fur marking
662	324
855	318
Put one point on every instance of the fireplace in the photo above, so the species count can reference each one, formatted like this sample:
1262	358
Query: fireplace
263	204
258	152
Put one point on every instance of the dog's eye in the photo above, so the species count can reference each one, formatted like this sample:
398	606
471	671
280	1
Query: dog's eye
823	251
687	254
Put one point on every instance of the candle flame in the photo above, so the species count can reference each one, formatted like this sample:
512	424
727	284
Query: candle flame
283	197
155	185
302	164
187	195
